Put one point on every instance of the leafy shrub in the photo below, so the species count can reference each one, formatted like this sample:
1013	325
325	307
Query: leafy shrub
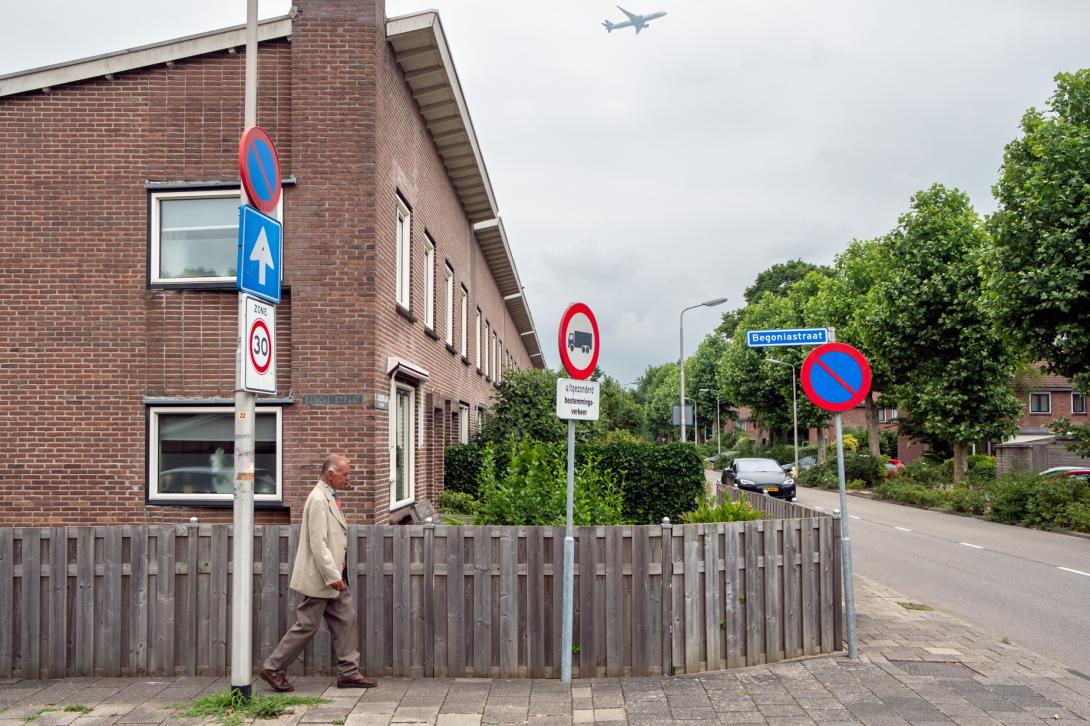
782	453
532	490
966	500
1010	495
657	480
855	485
981	468
822	476
864	467
708	511
905	493
1077	517
459	502
924	472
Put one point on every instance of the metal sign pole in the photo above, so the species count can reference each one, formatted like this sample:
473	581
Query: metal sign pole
569	565
243	541
846	543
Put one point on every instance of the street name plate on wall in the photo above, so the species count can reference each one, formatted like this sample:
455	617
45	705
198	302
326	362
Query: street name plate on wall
333	399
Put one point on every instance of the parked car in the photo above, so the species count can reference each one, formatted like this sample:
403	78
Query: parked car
207	480
894	467
1061	470
806	462
763	476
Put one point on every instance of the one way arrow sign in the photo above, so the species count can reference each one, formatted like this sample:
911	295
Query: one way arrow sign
260	254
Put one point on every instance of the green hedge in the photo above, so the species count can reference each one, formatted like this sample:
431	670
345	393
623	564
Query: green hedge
657	480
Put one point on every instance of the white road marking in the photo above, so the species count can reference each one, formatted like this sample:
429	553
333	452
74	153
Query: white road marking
975	547
1077	572
854	516
903	529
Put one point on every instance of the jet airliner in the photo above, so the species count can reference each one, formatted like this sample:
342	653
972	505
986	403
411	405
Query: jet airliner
639	22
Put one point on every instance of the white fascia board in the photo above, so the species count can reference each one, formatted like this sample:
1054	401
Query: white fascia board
429	19
141	57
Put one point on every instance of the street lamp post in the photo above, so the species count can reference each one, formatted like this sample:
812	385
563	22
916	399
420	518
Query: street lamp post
681	358
718	428
794	408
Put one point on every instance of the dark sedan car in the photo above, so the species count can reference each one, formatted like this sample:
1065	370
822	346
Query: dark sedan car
763	476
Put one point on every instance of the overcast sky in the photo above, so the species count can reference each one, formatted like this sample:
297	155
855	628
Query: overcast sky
644	174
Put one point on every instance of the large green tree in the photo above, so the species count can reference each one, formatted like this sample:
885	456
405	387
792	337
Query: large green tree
949	366
780	278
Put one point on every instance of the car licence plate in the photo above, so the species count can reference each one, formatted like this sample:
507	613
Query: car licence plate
772	489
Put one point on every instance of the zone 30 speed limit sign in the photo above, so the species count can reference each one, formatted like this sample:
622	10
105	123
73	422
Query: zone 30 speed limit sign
259	347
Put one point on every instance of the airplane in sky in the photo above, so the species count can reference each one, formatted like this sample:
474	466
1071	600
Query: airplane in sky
639	22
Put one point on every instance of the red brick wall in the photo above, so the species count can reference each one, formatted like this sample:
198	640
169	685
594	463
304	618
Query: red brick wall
85	341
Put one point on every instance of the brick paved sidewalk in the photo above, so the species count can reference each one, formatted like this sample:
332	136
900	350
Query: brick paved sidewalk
915	667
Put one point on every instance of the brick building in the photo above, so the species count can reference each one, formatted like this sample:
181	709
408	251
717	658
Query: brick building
118	220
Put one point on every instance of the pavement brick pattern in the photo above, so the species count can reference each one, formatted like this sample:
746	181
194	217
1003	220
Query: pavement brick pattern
915	667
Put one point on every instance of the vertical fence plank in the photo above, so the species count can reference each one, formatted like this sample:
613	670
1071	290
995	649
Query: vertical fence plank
164	603
825	550
373	598
111	600
585	573
456	617
85	602
217	616
138	591
31	603
614	602
535	601
557	583
7	600
809	598
56	645
429	600
838	579
482	602
693	622
268	605
773	617
193	622
402	625
733	611
791	625
508	595
639	632
712	618
752	595
667	600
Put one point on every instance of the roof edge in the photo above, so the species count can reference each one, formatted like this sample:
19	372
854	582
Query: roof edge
142	56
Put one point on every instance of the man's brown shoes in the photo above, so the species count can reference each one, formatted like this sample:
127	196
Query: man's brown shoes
357	681
277	679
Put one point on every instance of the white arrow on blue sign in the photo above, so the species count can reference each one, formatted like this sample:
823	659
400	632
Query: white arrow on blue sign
260	254
797	336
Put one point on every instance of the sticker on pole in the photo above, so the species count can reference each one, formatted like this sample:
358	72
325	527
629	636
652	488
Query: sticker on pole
259	167
259	367
836	377
578	341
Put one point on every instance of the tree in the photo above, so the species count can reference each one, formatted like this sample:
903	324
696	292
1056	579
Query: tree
1039	263
780	278
525	408
701	374
949	366
618	408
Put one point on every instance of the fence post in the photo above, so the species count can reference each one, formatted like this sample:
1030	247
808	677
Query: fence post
667	598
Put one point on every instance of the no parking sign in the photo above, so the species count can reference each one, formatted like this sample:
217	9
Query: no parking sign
835	377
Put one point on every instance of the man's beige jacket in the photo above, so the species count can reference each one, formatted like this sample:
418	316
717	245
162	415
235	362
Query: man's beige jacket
323	542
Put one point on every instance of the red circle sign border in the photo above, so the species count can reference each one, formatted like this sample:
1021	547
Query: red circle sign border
252	134
811	360
580	374
250	344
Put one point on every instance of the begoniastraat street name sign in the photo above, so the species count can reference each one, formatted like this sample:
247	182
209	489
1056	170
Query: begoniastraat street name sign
796	336
577	399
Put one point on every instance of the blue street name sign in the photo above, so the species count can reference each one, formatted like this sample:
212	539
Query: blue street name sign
798	336
260	254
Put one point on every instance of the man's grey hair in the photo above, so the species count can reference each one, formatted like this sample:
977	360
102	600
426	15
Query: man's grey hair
330	462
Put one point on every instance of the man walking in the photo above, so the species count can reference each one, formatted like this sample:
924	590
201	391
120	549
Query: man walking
320	573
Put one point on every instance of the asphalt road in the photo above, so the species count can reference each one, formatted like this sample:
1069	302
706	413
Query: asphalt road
1030	586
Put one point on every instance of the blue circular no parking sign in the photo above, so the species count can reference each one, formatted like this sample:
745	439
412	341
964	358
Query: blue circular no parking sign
835	377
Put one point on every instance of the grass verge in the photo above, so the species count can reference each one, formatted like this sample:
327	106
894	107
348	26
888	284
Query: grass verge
914	606
230	708
73	708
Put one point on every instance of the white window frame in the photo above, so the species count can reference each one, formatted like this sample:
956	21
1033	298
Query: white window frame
478	342
155	222
495	356
1048	398
395	385
487	344
429	282
480	416
465	322
463	423
449	334
154	497
1084	401
882	415
403	243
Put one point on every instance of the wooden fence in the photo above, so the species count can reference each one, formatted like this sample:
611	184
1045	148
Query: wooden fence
431	600
778	508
